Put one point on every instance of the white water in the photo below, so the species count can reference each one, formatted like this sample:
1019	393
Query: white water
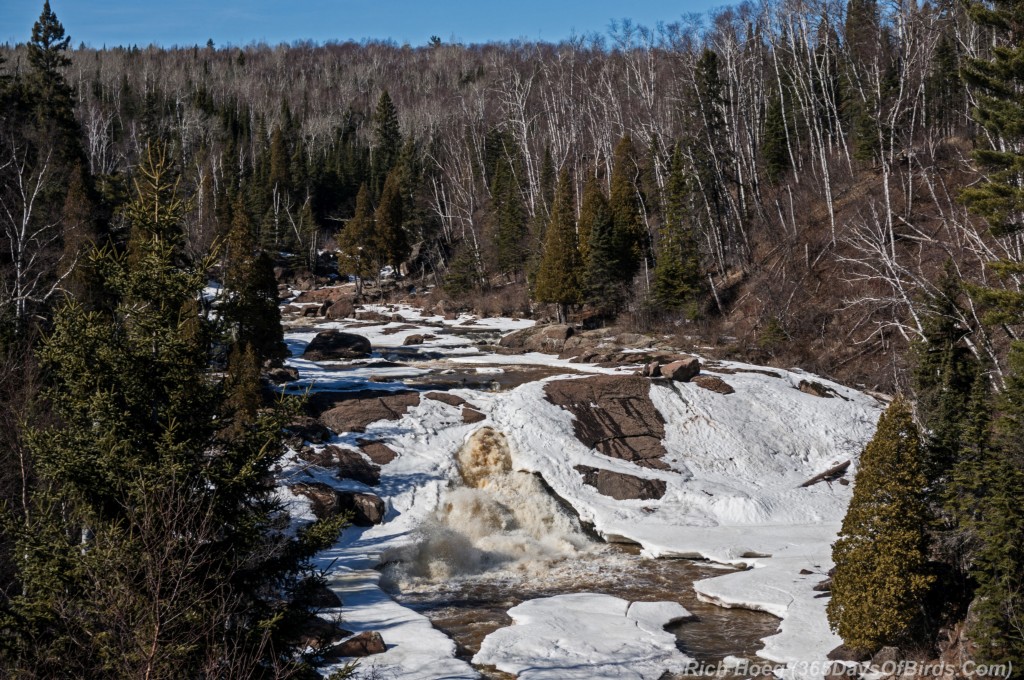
498	519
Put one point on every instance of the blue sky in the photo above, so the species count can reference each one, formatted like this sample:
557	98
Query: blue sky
239	22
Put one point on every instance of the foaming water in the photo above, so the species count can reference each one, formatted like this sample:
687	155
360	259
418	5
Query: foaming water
499	519
500	539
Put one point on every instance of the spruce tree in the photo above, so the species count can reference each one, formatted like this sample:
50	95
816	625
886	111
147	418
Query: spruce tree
391	239
387	142
775	149
677	276
250	308
510	226
153	545
627	222
603	288
359	254
881	576
558	279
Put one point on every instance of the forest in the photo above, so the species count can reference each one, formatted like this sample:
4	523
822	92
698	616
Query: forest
829	184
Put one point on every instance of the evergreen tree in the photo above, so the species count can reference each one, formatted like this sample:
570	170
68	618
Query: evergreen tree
558	279
627	221
387	142
881	576
391	239
359	252
677	276
775	149
604	289
510	221
50	93
250	309
152	547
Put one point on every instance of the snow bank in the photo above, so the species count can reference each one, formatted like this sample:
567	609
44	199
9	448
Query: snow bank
585	635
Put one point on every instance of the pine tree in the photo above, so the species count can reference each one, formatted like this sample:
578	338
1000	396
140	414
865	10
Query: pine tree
391	239
359	251
558	279
510	221
881	575
50	93
604	289
152	546
627	222
250	309
387	142
677	276
775	149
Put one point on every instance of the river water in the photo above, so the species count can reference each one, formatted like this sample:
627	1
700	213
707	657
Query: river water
500	538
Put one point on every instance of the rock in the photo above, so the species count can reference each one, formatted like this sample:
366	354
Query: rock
354	415
318	632
282	374
816	389
413	340
318	595
621	486
712	383
625	424
379	452
309	312
844	653
370	315
360	645
341	309
308	429
471	415
324	498
352	465
545	338
398	318
682	370
886	655
334	344
366	508
823	587
446	398
321	295
651	370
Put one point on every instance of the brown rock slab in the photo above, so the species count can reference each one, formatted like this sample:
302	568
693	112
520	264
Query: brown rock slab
354	415
471	415
816	389
713	383
614	415
446	398
340	309
621	486
309	429
379	452
363	644
366	508
682	370
333	344
318	632
413	340
353	465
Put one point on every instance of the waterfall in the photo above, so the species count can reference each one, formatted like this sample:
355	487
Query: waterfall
497	518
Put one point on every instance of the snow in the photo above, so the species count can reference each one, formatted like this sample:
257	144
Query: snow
586	635
733	496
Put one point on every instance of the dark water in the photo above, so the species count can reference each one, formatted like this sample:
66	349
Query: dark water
469	608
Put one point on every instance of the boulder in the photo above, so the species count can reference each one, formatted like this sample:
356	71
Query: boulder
340	309
324	499
360	645
318	595
308	429
317	632
321	295
651	370
546	338
446	398
334	344
354	415
621	486
844	653
682	370
471	415
352	465
712	383
816	389
614	415
413	340
379	452
366	508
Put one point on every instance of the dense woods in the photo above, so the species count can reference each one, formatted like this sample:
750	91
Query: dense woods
830	184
